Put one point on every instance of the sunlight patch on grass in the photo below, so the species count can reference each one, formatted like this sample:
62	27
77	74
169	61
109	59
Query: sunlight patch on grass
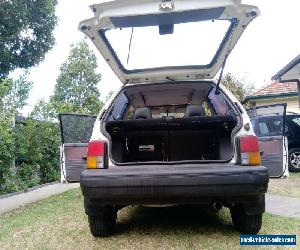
288	186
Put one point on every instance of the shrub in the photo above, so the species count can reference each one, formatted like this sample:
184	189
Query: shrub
27	176
6	151
38	146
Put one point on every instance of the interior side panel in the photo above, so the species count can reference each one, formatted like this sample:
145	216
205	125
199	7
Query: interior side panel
272	155
75	160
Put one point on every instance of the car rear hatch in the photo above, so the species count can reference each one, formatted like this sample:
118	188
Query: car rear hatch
148	41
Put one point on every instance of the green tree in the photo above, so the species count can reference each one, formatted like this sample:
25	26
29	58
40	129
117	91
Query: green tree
13	96
43	111
37	151
6	151
25	33
236	86
45	130
76	88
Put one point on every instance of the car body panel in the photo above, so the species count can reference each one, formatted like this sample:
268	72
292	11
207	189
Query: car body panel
127	13
76	131
293	129
268	122
99	134
73	141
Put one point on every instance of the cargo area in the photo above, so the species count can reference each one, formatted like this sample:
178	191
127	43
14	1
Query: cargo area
203	138
186	122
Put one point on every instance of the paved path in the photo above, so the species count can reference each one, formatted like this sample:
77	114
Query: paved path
283	205
12	201
275	204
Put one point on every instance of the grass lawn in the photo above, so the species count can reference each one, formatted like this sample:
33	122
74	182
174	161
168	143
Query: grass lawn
59	222
289	186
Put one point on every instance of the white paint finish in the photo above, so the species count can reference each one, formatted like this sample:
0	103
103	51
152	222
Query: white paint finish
98	135
285	155
104	11
14	201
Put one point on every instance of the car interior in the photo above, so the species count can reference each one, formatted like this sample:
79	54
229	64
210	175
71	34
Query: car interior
171	123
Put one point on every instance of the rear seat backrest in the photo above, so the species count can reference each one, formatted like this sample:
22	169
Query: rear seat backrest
142	113
194	110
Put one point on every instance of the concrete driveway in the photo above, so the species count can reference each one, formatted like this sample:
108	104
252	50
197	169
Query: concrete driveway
275	204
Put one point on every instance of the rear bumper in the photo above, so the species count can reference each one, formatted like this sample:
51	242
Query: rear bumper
180	184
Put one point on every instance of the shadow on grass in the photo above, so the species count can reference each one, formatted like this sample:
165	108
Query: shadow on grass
173	219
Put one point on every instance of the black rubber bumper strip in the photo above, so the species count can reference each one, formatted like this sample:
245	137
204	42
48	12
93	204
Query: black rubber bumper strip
159	184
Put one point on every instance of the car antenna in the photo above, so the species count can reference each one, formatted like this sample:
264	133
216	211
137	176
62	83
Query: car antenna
129	46
217	92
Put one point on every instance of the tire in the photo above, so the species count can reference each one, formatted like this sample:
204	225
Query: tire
103	225
244	223
294	160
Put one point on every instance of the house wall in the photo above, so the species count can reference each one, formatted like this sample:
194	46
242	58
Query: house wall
292	103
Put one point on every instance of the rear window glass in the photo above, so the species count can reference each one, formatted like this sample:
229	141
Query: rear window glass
187	45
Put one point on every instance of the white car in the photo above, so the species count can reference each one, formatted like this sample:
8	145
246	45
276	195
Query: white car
172	134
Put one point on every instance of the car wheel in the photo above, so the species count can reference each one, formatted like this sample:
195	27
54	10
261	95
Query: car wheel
294	160
245	223
103	224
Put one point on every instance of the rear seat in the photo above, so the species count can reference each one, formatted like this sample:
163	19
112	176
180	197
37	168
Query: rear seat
194	111
142	113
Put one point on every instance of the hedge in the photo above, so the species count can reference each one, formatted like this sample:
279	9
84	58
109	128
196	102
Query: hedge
29	154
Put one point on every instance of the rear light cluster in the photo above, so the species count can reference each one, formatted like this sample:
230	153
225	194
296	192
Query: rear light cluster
97	155
249	151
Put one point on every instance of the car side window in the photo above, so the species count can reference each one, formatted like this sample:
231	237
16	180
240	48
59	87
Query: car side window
270	126
129	113
263	129
292	126
296	121
207	108
119	107
219	103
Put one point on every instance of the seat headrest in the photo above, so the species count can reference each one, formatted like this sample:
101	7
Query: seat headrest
142	113
194	110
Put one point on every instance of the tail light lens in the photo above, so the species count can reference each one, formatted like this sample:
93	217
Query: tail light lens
249	151
97	155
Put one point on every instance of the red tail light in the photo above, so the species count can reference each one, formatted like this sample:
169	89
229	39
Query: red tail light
97	155
249	150
96	148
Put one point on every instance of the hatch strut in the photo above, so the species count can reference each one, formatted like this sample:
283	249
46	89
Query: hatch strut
217	92
129	46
